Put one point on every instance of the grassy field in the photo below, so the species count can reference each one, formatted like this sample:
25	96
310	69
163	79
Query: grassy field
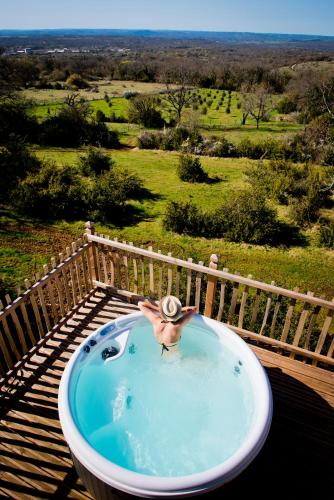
26	244
215	121
112	88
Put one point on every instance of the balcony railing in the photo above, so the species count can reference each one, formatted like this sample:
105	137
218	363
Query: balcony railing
294	324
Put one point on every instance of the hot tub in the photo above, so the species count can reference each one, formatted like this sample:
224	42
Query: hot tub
169	424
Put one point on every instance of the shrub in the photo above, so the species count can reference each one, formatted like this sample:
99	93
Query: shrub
52	192
244	218
326	233
287	105
77	81
221	148
100	116
142	110
247	218
69	131
228	110
148	140
129	94
204	110
16	162
328	157
183	218
110	193
16	119
190	169
95	162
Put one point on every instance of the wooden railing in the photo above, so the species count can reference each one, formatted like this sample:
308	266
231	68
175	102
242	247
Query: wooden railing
292	323
26	321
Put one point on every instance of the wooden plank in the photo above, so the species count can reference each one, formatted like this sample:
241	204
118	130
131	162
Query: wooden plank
266	312
211	288
288	318
151	274
301	324
222	297
3	346
177	281
273	321
64	274
135	271
50	289
324	332
142	266
77	270
18	327
189	279
74	293
255	310
169	276
103	250
160	287
27	322
59	288
9	335
234	299
243	304
35	309
282	346
198	284
40	293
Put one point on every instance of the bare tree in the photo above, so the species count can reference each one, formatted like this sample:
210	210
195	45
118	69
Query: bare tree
327	93
177	94
257	103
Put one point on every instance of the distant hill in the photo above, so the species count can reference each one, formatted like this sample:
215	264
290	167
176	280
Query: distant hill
226	37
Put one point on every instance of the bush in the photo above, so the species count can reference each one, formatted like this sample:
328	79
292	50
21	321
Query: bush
247	218
326	233
95	162
244	218
190	169
148	140
183	218
77	81
100	116
52	192
110	193
68	131
130	94
142	110
328	157
287	105
16	162
16	119
228	110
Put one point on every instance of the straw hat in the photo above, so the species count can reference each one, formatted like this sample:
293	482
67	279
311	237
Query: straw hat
170	308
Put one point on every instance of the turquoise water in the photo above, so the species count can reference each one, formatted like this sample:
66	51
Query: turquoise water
169	415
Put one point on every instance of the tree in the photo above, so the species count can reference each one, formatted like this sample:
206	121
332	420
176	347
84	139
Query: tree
180	96
142	110
257	103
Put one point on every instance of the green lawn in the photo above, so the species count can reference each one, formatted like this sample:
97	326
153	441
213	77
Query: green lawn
310	268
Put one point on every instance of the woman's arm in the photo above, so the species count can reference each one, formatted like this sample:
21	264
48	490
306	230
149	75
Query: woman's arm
187	316
147	309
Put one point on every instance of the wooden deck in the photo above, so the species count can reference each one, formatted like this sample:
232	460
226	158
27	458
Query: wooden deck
35	461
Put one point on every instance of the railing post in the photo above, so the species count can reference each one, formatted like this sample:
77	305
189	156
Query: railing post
211	287
92	259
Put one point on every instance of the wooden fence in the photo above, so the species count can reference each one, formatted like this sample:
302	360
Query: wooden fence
292	323
26	322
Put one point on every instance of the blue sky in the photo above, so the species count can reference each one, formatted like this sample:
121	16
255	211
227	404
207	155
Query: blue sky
270	16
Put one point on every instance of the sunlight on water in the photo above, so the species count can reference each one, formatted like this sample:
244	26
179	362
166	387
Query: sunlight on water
169	415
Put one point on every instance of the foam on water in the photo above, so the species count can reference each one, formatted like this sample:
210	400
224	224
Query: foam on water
169	415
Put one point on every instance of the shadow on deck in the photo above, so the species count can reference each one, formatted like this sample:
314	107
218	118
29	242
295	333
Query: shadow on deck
35	461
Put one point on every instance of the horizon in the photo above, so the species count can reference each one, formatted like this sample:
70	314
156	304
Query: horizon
169	30
290	17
